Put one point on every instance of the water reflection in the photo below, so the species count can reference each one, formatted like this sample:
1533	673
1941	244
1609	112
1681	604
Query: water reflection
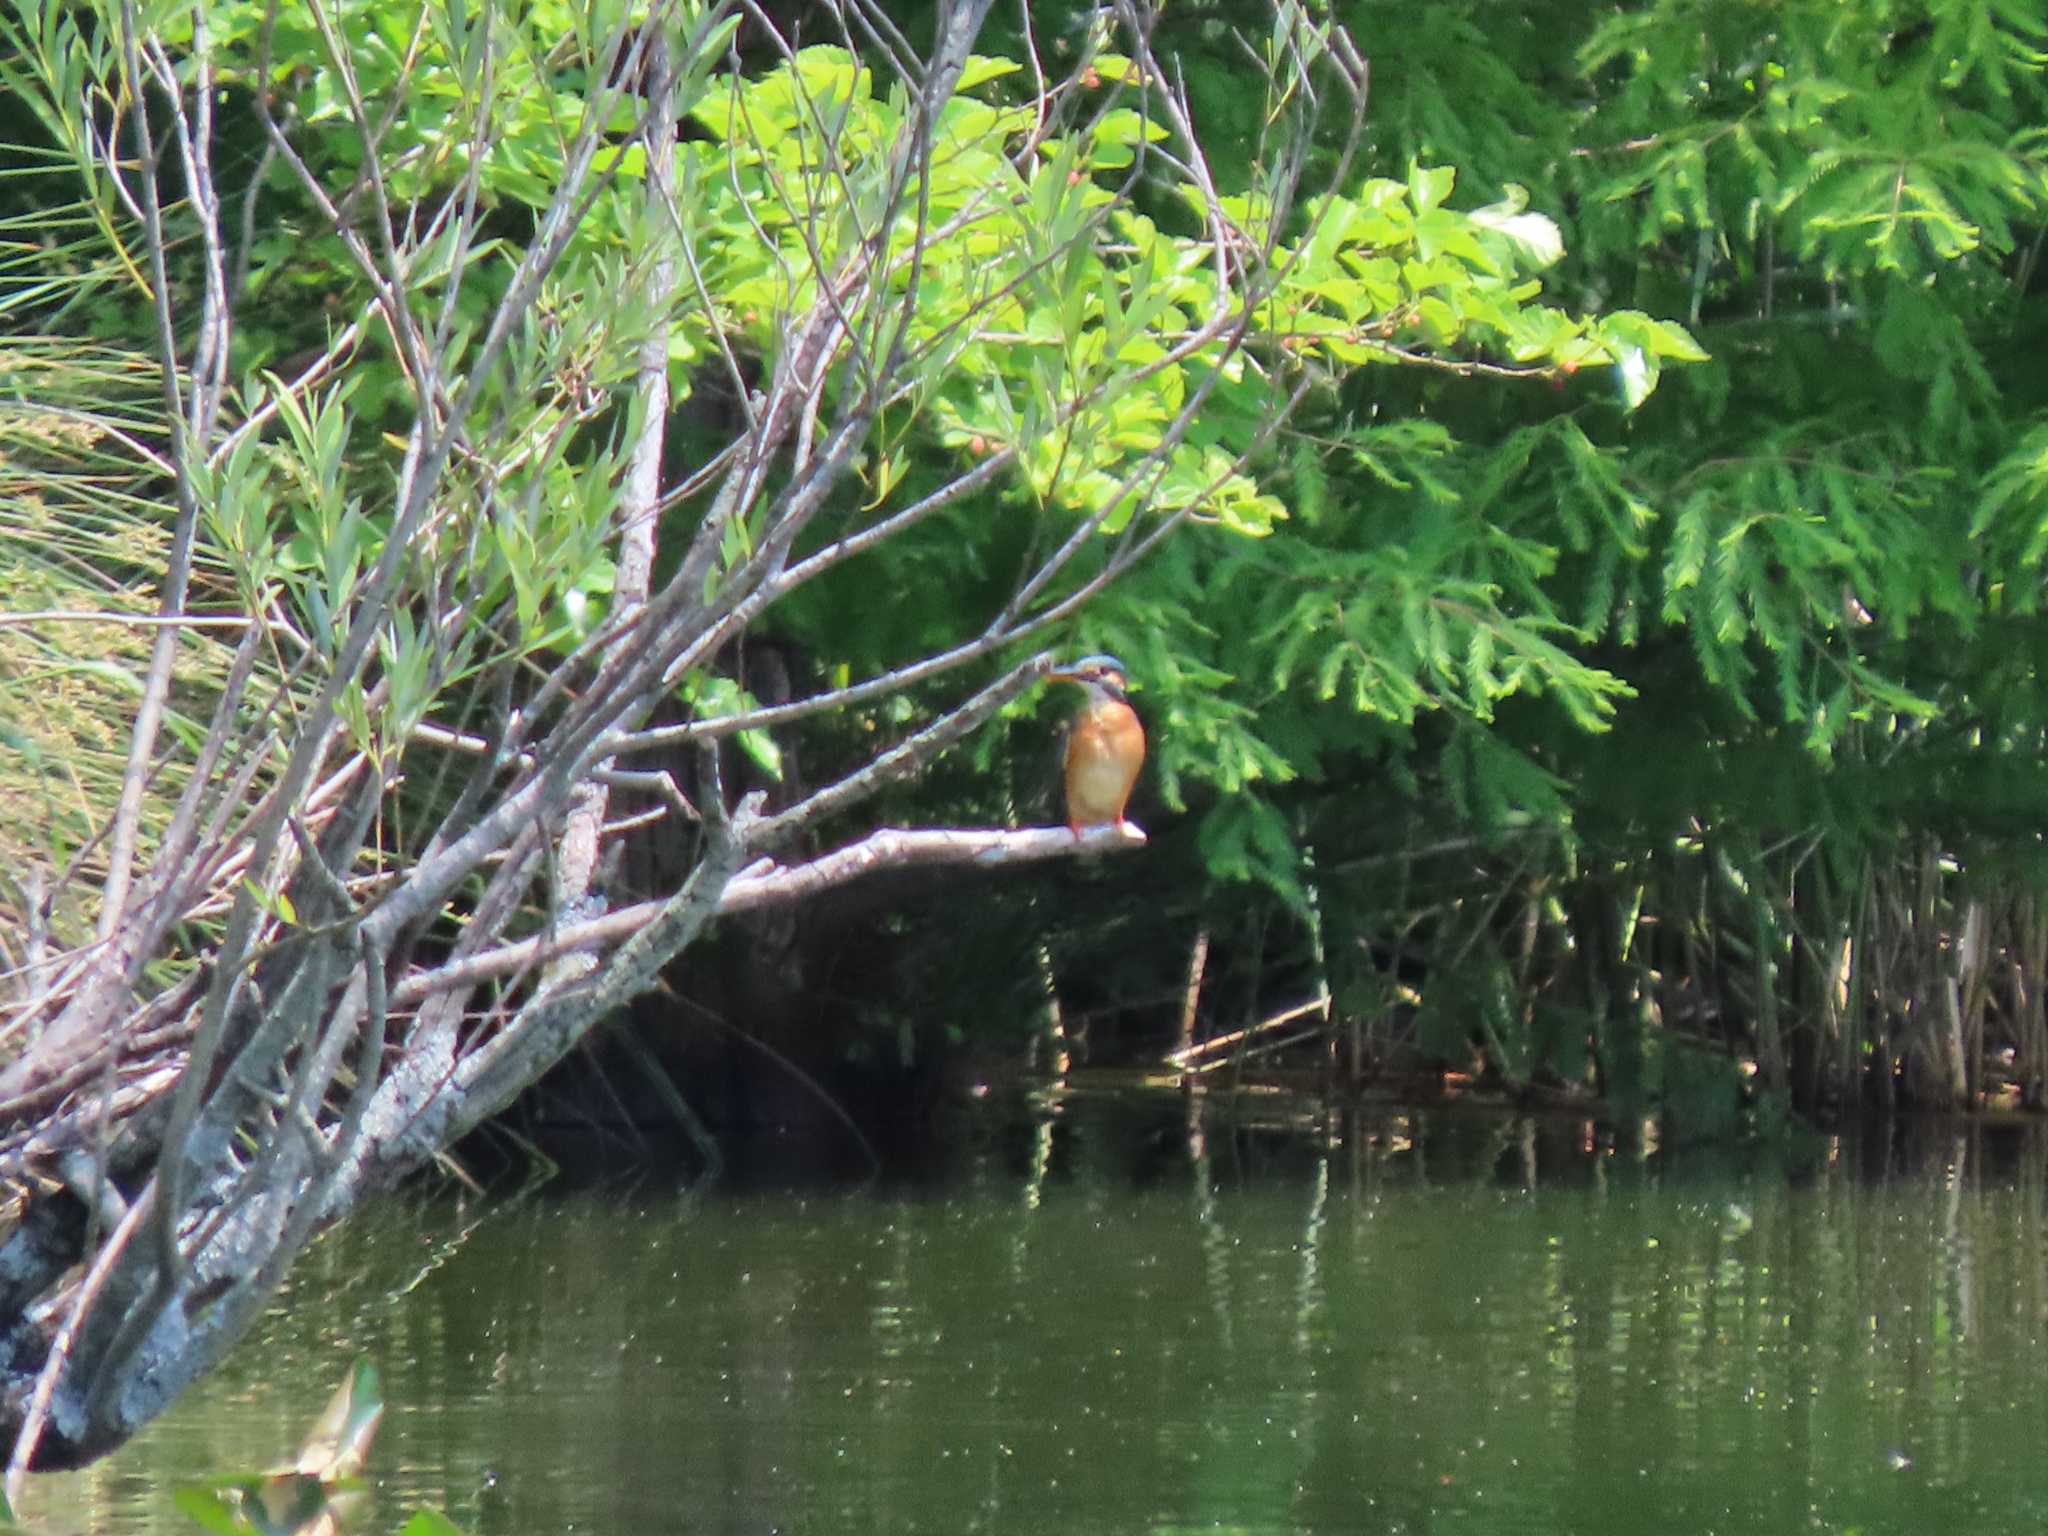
1253	1317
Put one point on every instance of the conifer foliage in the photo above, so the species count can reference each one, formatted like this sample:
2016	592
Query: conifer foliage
1647	750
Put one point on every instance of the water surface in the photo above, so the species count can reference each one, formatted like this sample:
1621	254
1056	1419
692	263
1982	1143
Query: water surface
1185	1317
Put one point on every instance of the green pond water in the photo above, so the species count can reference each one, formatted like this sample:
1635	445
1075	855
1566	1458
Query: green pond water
1217	1316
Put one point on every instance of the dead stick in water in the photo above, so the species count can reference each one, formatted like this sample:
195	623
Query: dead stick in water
1198	962
1189	1055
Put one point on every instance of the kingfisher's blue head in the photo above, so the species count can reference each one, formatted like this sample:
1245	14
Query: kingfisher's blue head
1102	676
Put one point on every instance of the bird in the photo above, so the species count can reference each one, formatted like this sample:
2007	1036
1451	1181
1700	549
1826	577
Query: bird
1105	745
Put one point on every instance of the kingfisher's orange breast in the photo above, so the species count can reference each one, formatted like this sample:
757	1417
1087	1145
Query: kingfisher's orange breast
1104	753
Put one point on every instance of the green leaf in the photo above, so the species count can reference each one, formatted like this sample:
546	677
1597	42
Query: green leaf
761	749
1429	187
981	69
430	1522
210	1509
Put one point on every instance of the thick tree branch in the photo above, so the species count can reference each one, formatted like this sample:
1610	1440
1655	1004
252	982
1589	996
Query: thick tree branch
766	883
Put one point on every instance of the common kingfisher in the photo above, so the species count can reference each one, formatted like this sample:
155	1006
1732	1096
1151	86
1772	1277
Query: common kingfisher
1105	744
